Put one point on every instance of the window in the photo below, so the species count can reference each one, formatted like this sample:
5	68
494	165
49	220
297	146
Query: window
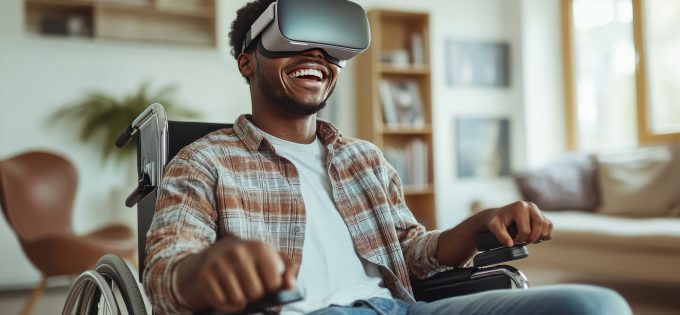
622	84
659	44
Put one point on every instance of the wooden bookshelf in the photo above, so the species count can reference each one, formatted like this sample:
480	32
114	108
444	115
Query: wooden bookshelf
399	53
170	21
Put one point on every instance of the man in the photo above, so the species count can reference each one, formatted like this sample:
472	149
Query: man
283	200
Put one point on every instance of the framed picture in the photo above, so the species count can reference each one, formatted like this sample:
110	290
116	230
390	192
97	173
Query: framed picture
482	147
402	103
484	64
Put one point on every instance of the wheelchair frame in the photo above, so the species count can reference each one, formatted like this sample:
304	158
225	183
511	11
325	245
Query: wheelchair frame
152	126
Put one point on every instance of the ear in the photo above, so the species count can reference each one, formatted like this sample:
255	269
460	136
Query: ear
246	64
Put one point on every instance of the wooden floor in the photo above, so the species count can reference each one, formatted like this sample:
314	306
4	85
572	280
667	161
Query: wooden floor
51	302
644	299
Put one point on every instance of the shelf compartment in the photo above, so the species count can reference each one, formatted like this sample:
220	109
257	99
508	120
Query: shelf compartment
55	18
115	22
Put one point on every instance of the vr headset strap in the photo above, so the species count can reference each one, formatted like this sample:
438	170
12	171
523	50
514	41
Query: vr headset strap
259	25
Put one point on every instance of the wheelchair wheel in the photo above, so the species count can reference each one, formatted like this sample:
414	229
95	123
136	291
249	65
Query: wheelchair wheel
87	290
116	271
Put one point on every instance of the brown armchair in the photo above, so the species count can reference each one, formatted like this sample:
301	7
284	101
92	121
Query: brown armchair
37	190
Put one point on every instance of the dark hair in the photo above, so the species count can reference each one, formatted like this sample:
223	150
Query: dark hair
245	17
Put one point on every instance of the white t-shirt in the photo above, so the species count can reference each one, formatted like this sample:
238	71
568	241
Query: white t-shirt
331	271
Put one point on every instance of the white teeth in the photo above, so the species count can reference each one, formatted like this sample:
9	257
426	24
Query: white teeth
304	72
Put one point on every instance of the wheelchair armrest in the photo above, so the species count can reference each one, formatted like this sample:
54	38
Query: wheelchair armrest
479	278
275	299
462	281
456	282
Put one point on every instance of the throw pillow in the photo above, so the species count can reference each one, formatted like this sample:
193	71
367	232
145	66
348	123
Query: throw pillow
569	183
644	182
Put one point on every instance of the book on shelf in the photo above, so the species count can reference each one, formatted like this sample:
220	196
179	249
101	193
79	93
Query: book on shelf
411	162
402	103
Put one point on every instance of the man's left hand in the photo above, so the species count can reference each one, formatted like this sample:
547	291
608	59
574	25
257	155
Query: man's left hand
457	245
532	225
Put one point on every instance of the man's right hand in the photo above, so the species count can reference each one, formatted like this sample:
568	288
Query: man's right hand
232	273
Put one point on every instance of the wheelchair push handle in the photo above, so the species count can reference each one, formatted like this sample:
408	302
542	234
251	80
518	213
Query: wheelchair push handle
124	136
154	111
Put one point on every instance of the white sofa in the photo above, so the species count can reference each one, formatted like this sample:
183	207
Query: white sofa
627	249
627	226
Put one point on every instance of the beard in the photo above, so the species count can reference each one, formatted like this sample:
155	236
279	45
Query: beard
285	102
289	105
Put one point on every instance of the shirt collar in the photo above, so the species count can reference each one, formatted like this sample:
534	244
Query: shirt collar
252	136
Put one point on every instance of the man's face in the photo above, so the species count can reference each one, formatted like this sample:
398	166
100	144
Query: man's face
299	84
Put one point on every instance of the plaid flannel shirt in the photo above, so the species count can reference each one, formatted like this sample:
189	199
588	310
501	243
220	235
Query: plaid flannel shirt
232	182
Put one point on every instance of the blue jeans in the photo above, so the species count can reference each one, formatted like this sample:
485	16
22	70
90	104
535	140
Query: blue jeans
552	300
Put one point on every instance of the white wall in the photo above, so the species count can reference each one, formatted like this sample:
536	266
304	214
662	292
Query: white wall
543	81
475	21
38	75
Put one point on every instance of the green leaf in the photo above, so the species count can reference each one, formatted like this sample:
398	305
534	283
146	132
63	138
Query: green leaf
100	115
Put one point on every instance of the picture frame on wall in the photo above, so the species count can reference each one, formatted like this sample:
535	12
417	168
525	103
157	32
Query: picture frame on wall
477	64
482	147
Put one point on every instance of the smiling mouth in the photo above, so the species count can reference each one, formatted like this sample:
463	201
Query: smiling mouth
307	74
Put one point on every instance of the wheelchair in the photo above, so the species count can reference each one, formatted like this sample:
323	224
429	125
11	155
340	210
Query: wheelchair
111	284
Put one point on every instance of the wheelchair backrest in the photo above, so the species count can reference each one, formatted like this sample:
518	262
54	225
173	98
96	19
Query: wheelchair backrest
158	141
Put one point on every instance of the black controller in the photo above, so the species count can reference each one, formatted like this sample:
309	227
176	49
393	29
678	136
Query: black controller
487	241
274	299
492	252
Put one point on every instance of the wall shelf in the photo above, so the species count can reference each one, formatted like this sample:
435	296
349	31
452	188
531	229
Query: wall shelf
172	21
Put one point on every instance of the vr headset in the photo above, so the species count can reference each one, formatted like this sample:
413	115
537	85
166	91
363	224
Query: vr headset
338	27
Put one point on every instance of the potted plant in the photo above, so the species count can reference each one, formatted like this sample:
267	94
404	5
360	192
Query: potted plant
103	115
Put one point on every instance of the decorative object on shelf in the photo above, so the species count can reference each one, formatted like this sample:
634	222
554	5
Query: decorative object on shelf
103	115
482	147
417	49
402	103
397	58
484	64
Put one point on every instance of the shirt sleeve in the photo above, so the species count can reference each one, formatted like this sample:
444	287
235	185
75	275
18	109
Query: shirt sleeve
184	222
418	244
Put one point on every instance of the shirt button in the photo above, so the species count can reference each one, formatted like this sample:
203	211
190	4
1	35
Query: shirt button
297	230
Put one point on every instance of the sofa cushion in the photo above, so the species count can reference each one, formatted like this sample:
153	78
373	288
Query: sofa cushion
644	182
637	234
566	184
